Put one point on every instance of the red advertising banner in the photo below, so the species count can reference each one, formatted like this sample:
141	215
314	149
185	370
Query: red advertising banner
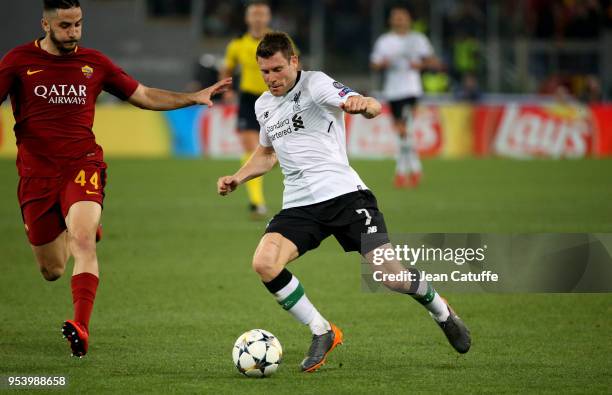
527	131
218	131
450	130
454	130
602	118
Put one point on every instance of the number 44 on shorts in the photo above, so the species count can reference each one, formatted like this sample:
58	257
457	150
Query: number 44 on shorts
368	221
81	179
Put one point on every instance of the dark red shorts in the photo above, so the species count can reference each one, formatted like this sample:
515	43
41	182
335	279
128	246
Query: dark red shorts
45	202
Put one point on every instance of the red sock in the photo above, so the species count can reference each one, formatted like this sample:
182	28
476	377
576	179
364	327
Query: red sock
84	286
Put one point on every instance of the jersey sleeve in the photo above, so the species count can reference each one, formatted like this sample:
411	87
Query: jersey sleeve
264	140
117	82
327	92
231	55
7	76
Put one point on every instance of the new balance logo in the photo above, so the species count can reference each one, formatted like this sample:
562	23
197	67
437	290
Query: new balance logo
372	229
297	122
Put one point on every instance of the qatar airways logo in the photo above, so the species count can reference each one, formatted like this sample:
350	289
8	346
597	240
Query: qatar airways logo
62	94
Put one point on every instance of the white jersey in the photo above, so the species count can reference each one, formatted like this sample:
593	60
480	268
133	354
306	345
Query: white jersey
306	129
401	80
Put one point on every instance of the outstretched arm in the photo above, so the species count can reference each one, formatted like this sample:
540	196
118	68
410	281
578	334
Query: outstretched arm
160	100
366	106
261	162
428	63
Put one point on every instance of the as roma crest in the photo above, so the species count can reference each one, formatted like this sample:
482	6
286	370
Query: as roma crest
87	71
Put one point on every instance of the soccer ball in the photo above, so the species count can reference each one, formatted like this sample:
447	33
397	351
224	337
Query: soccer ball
257	353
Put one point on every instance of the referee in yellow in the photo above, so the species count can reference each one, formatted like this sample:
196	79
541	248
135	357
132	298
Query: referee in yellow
240	54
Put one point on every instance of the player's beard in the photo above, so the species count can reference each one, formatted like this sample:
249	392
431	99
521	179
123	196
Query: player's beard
64	47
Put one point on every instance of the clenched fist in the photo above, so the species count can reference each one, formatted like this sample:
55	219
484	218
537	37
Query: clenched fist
226	185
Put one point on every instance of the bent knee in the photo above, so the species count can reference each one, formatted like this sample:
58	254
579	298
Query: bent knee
262	263
266	266
51	271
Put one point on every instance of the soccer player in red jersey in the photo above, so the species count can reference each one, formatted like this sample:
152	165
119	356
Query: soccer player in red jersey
53	84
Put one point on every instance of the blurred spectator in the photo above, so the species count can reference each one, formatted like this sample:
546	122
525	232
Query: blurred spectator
466	54
555	84
587	88
469	90
435	82
562	94
592	93
464	29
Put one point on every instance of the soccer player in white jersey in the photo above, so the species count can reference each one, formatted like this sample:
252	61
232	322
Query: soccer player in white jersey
302	126
402	54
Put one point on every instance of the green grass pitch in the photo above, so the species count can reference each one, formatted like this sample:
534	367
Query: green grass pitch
177	288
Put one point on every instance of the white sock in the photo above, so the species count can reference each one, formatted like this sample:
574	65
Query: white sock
438	309
293	299
401	166
318	325
414	162
425	294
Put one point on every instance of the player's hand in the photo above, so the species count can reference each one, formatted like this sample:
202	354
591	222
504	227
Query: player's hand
366	106
226	185
355	105
204	96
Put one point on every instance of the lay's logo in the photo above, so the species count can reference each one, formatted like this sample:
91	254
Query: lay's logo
536	131
87	71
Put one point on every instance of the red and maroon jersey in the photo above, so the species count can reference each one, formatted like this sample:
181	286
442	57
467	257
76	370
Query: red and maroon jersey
53	100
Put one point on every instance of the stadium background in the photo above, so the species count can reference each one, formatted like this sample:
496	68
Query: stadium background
526	79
